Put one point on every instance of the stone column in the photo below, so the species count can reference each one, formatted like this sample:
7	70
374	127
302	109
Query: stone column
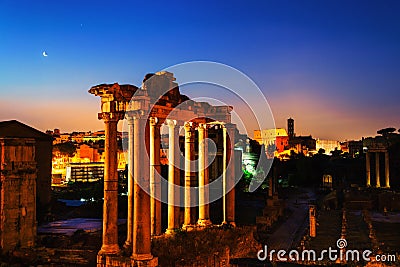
368	168
387	169
204	214
129	221
173	177
155	179
377	169
141	216
313	221
230	177
110	207
189	220
224	171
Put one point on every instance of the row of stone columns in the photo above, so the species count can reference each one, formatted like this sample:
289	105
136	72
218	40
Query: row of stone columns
144	211
377	169
190	180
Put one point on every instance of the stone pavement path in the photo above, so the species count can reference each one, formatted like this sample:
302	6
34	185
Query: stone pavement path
293	228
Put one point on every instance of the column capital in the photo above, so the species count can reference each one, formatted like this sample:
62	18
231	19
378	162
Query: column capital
189	126
135	114
202	126
111	116
153	121
130	120
171	123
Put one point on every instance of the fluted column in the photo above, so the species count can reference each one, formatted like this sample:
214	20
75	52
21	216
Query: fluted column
141	216
189	219
230	176
377	170
110	206
368	168
173	176
129	223
387	169
204	214
155	181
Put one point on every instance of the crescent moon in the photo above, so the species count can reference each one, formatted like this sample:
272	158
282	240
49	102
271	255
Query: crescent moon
44	54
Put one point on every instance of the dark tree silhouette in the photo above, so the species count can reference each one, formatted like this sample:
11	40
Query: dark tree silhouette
67	148
386	131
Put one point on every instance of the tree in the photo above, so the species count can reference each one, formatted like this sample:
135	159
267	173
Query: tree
67	148
386	131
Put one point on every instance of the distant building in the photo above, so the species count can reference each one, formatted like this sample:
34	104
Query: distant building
355	148
290	128
276	138
303	144
85	172
85	155
327	145
77	137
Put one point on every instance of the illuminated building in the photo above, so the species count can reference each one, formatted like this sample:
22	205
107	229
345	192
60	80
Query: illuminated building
327	145
276	140
84	172
84	155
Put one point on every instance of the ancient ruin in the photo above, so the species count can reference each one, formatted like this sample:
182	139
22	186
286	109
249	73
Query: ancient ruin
25	176
158	102
377	146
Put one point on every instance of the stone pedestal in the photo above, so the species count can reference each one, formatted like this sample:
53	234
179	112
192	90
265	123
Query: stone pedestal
119	261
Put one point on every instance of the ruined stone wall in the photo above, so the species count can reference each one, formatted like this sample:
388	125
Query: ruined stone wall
18	172
43	158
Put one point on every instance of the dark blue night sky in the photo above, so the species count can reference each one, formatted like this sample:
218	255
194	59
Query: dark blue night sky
334	66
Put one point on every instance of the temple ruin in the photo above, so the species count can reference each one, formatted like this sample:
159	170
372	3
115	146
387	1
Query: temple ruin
374	148
158	102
